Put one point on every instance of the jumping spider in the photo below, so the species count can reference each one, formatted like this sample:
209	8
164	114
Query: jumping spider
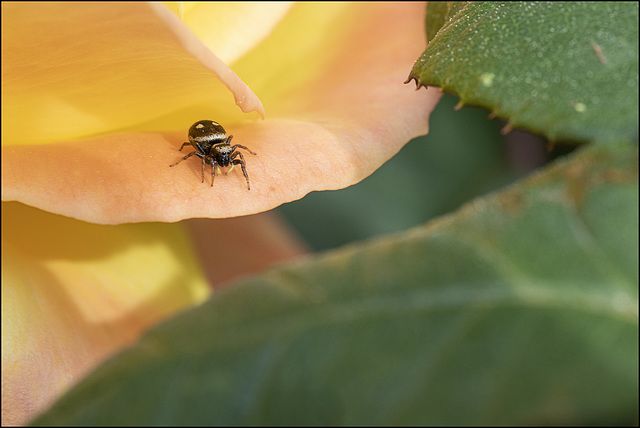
212	146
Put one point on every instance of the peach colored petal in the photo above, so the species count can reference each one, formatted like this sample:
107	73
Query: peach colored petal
251	244
337	109
71	70
73	293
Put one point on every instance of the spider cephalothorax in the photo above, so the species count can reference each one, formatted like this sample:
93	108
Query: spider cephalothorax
213	146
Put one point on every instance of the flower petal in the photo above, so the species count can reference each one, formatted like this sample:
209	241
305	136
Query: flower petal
251	244
73	293
237	26
244	97
331	77
71	70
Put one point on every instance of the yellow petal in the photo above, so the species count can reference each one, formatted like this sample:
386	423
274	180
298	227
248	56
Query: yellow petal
70	70
74	293
231	29
244	97
331	77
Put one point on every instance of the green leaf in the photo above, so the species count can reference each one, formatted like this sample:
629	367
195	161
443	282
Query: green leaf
567	70
520	308
438	13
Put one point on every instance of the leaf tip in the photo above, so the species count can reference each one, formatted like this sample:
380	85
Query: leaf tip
507	128
414	78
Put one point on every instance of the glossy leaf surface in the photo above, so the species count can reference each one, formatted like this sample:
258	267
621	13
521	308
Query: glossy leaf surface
567	70
520	308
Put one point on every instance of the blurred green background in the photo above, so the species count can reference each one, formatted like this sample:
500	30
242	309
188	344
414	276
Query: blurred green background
463	156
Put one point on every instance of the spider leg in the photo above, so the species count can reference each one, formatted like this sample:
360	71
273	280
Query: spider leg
185	158
184	144
213	169
241	162
242	147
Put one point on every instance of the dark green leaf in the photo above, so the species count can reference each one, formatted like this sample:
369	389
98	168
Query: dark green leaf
567	70
521	308
440	12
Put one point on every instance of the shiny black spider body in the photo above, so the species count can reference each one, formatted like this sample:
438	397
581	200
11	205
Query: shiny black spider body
213	146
